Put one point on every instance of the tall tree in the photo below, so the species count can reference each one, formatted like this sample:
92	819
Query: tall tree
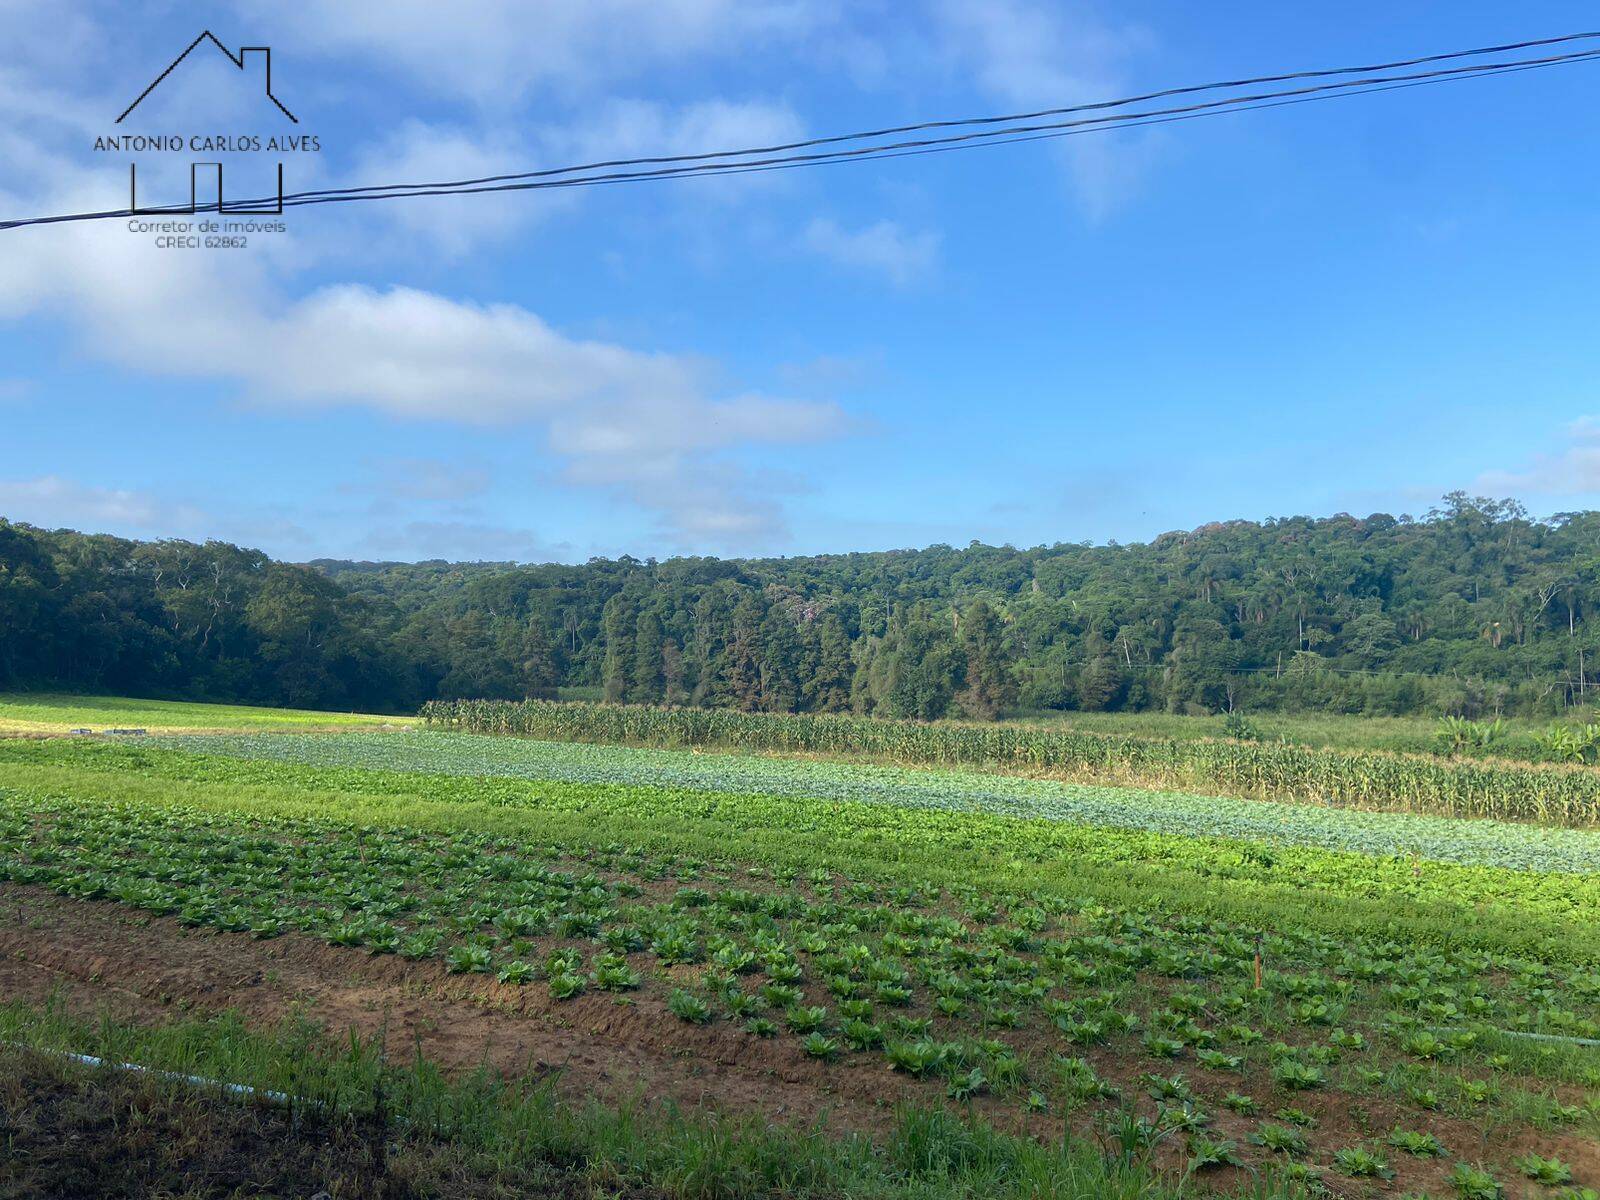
28	600
743	659
925	665
648	684
533	662
617	627
672	679
780	662
990	683
826	687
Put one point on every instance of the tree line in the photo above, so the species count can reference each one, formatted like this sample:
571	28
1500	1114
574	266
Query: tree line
1472	608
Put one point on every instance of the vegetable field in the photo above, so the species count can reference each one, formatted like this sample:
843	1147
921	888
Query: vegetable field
1215	994
1359	779
1519	846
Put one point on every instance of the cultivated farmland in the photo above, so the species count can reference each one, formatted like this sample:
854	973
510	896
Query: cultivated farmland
1196	992
59	712
1410	783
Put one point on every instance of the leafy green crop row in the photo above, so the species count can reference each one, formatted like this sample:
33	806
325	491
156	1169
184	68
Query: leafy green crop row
1370	779
1104	977
1418	901
1518	846
1043	1002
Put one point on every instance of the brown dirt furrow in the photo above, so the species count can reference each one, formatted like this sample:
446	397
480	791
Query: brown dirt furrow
102	956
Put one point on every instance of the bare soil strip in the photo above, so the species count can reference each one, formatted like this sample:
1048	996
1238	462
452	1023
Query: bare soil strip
101	956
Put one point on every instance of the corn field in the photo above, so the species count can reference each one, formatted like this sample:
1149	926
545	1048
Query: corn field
1348	778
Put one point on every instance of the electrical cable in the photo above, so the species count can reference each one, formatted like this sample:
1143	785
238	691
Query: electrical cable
740	161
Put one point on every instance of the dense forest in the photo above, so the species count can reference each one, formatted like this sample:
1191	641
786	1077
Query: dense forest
1472	608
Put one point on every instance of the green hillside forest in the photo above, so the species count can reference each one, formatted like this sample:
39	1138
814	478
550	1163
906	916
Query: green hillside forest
1474	608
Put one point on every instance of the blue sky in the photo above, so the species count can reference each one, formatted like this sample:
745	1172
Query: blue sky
1350	306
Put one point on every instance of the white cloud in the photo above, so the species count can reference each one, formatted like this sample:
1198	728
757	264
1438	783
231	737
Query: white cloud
269	529
1572	471
654	427
51	36
634	127
1026	50
624	129
645	424
51	502
416	152
884	247
1033	55
415	354
430	479
460	540
829	373
495	52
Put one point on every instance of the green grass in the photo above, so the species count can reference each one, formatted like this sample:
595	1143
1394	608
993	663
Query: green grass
59	712
481	1135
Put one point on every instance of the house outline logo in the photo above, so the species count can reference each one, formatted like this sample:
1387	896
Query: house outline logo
196	174
236	59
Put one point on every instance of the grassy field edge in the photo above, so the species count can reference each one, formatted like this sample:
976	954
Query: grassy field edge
519	1133
61	712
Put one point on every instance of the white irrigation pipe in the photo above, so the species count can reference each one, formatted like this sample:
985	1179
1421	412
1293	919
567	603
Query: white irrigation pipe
1548	1037
1538	1037
232	1089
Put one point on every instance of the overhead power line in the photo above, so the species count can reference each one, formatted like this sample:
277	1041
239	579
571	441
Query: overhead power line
979	132
1006	136
892	131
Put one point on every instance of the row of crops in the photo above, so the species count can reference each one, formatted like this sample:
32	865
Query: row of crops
1548	913
1518	846
1242	1045
1360	779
